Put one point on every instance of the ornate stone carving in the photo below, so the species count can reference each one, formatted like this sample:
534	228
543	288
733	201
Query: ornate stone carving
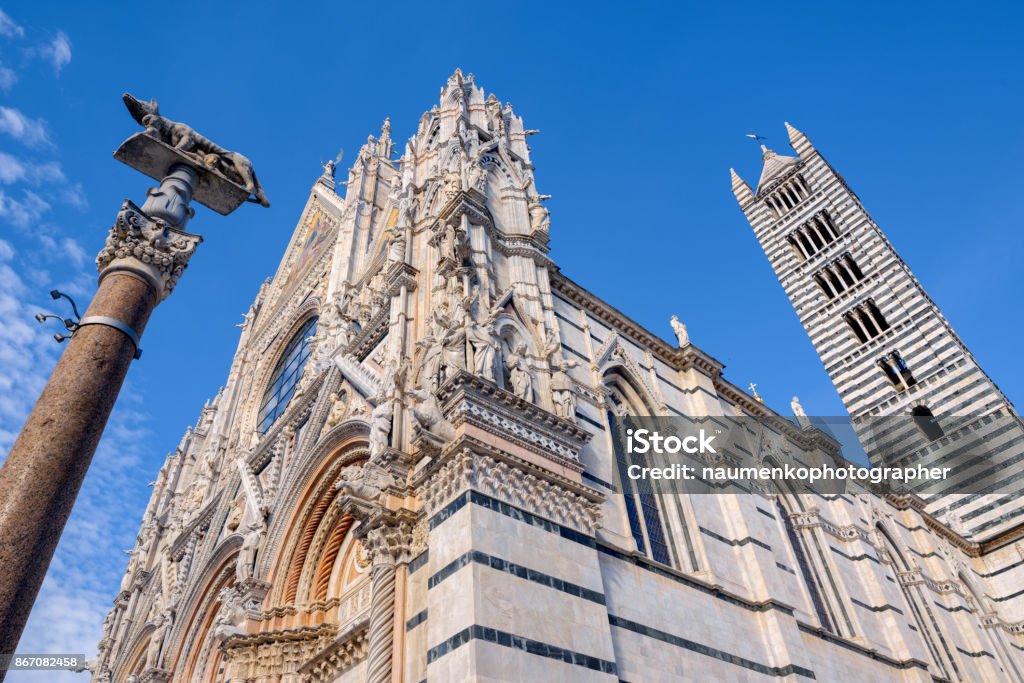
163	251
344	652
467	470
428	420
364	482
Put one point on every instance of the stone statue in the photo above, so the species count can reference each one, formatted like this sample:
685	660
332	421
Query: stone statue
449	243
396	250
483	345
182	137
798	411
339	408
364	482
563	394
519	374
682	336
380	427
156	640
430	366
427	416
245	564
540	218
454	345
230	615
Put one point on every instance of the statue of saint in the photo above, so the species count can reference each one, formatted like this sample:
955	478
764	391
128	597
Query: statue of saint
380	427
519	373
245	565
682	336
798	411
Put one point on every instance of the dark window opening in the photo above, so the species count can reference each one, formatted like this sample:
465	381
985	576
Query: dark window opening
927	423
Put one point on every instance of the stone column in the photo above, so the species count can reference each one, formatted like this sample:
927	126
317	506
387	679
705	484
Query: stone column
389	545
139	266
387	538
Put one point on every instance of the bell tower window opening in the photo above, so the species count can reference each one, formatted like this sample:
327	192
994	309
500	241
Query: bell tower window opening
788	196
897	371
866	321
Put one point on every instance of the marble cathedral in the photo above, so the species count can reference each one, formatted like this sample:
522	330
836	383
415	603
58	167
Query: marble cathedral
407	477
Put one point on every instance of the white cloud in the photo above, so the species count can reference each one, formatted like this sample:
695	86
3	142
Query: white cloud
6	251
75	252
7	78
8	28
59	51
13	170
24	212
22	128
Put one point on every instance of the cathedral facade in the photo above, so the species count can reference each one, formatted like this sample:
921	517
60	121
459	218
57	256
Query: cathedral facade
408	476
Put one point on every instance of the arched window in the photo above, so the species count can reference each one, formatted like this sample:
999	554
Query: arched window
995	637
804	565
645	522
286	375
917	601
927	423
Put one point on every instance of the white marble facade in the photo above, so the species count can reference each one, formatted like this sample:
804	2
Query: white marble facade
432	501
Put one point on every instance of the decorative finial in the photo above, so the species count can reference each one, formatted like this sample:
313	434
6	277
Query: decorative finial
753	391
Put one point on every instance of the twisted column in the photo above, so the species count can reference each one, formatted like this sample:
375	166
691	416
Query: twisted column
387	538
380	645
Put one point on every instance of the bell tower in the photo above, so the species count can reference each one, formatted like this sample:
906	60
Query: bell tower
884	343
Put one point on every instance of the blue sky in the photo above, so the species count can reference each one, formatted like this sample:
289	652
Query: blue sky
642	107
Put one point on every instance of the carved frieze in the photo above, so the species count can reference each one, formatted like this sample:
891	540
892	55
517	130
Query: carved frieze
466	470
466	399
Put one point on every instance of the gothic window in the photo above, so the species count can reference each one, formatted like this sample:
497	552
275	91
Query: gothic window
995	638
917	601
866	321
434	134
927	423
838	276
789	194
642	510
286	375
813	236
806	570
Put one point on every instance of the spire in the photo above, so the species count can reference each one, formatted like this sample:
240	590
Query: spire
774	166
740	188
384	144
799	141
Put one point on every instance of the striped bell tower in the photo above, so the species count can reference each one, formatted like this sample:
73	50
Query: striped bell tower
885	344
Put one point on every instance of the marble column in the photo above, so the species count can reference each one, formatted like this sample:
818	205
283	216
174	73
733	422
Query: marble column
139	266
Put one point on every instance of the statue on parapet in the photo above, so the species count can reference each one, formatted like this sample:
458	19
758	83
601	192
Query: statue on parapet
183	138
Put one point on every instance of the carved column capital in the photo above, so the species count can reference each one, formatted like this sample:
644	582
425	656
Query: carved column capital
147	247
388	539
